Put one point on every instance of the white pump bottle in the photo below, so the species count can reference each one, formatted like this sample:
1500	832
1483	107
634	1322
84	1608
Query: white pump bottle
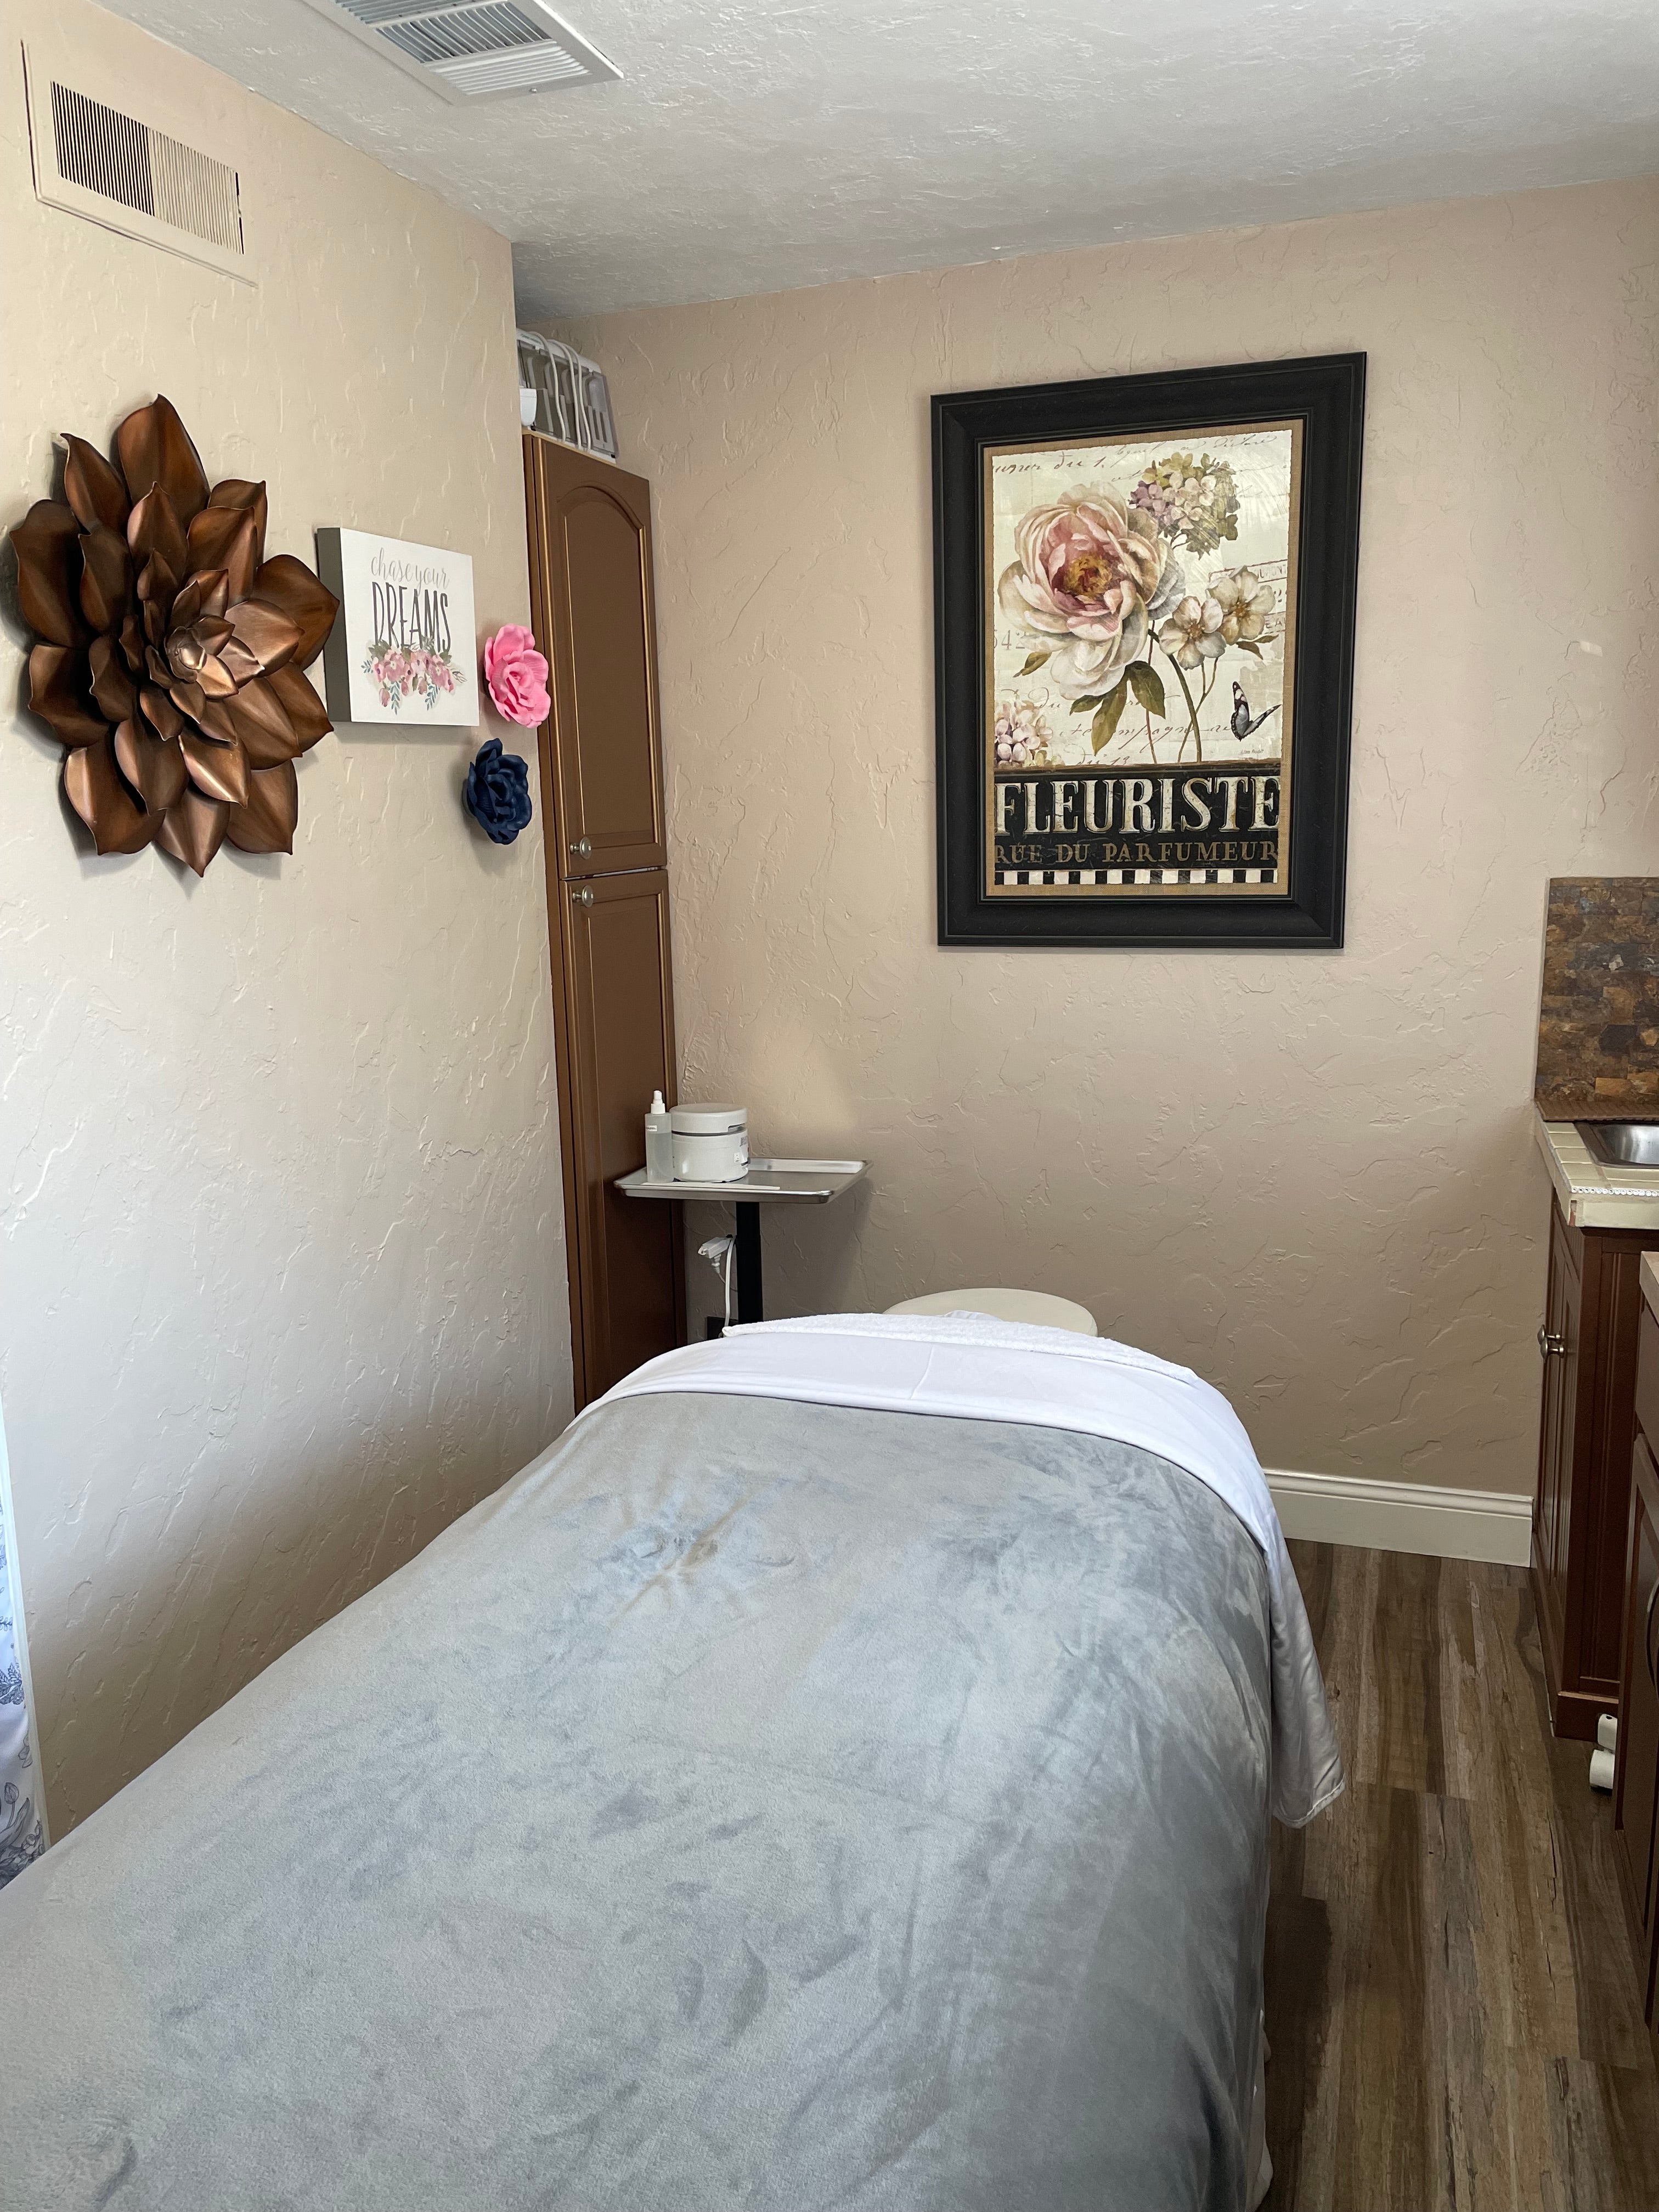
659	1142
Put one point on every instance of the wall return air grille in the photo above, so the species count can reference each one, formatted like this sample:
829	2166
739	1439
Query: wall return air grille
469	49
92	159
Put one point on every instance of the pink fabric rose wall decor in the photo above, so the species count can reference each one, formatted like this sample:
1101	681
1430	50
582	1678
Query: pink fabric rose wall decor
517	676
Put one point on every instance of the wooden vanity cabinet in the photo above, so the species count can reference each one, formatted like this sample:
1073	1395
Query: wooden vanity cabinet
1582	1506
1635	1779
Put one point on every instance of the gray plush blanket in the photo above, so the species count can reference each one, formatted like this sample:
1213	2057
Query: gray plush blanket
755	1804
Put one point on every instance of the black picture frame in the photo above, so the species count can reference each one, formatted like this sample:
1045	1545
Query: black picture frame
1325	395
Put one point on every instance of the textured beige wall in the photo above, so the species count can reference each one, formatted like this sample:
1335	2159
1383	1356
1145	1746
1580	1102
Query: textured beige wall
1311	1177
281	1276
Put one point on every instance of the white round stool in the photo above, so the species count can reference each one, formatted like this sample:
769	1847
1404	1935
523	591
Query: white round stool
1037	1308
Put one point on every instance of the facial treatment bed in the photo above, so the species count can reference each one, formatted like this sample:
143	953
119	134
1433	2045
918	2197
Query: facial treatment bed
837	1772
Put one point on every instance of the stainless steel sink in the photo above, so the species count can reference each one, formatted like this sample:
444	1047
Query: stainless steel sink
1623	1143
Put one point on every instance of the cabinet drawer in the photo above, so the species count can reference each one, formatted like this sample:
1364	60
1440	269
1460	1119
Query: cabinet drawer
1647	1376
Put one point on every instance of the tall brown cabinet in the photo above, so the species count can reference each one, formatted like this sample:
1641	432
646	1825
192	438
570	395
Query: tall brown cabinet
607	897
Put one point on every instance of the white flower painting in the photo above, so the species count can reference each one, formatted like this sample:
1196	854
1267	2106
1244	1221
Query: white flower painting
1140	599
1147	590
1140	594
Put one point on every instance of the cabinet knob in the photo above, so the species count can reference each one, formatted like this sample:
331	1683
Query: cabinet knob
582	847
1552	1346
582	896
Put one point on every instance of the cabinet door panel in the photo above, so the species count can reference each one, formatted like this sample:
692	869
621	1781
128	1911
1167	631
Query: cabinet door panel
1647	1373
619	1048
607	567
1593	1322
1600	1491
1635	1792
1555	1447
595	619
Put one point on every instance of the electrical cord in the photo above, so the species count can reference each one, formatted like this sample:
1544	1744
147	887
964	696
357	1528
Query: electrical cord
719	1251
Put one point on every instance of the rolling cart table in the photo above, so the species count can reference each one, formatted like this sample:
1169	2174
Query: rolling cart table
768	1182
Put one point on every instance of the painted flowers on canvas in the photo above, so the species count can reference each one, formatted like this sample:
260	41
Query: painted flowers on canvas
1139	590
411	672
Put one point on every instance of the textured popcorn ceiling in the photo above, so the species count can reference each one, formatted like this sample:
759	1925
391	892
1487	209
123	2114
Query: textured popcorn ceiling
756	146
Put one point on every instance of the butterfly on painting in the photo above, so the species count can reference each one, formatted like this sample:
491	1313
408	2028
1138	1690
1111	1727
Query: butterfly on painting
1243	724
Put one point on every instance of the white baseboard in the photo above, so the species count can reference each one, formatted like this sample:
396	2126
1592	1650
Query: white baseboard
1405	1517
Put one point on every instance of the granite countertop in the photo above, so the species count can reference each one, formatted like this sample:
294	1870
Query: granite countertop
1593	1195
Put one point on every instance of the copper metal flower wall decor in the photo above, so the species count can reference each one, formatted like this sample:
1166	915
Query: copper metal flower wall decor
171	653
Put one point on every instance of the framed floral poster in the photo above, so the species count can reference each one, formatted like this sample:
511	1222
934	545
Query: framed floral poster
1144	593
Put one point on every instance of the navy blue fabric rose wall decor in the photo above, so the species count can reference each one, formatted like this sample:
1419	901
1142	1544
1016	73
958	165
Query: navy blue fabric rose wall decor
498	792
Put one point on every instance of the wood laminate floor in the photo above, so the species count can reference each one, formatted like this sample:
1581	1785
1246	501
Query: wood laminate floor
1451	2000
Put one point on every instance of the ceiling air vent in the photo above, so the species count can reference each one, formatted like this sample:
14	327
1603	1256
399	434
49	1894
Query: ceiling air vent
469	49
92	159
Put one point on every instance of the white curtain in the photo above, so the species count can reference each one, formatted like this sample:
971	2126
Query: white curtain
22	1824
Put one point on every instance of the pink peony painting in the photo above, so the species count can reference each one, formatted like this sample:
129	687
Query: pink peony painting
1137	613
1111	595
1145	654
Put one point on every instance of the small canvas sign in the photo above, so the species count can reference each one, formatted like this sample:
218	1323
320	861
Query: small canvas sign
403	645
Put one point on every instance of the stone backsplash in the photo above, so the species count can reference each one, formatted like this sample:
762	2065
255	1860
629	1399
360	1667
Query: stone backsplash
1598	1015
